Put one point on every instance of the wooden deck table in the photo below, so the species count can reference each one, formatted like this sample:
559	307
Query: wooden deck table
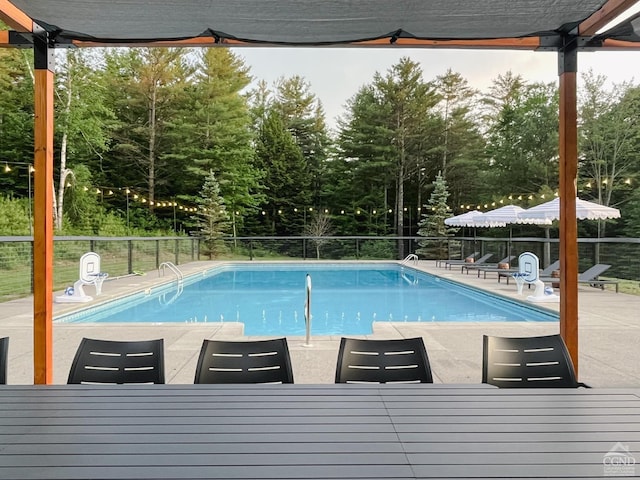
315	431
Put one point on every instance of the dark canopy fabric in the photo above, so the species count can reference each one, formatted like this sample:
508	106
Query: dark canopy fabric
303	22
627	31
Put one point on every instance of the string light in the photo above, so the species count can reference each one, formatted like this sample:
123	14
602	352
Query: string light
7	168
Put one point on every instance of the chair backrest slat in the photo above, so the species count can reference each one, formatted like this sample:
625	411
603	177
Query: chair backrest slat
118	362
527	362
383	361
259	361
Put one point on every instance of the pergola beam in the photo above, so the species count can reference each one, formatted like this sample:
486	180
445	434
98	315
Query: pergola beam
14	17
611	45
608	12
520	43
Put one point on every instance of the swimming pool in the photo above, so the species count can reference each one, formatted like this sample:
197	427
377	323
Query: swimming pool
346	298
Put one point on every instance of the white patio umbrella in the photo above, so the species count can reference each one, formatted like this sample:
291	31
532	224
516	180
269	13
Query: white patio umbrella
500	217
462	220
503	216
584	211
551	211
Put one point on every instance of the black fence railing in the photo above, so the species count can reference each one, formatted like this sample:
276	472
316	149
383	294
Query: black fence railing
130	255
119	256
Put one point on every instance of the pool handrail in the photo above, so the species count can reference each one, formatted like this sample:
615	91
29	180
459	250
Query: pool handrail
410	257
171	266
307	312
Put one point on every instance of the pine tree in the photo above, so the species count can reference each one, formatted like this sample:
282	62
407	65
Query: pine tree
432	223
212	220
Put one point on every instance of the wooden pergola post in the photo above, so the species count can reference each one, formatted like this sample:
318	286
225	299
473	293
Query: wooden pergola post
568	67
43	212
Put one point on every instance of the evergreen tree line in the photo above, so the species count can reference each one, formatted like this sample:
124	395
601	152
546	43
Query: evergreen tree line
165	139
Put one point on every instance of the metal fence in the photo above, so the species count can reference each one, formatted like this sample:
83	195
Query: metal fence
119	256
129	255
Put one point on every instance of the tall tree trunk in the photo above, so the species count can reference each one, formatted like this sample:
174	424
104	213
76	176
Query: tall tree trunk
152	145
58	207
64	173
446	138
401	167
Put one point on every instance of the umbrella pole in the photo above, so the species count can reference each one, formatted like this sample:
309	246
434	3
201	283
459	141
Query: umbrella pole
546	261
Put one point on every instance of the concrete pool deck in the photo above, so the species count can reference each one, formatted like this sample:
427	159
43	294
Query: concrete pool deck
609	335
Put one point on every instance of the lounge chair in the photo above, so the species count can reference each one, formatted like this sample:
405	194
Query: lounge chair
590	277
501	271
90	274
476	266
481	260
442	261
545	272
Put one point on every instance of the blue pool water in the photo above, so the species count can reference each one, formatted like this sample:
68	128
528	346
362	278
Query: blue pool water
269	299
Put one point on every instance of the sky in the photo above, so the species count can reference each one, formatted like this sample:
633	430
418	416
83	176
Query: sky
336	74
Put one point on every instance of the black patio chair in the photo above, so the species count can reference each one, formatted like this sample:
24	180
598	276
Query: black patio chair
118	362
527	362
383	361
259	361
4	350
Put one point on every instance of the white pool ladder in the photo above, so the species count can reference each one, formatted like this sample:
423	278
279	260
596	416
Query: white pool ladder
173	268
411	257
180	280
